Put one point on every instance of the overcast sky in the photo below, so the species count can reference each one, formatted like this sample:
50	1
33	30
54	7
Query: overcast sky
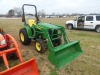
57	6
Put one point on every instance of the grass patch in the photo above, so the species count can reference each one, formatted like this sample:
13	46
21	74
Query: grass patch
86	64
53	72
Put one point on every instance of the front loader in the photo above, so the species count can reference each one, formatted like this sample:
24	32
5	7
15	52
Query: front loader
53	37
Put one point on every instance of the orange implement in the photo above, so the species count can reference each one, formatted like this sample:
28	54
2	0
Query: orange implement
25	68
12	47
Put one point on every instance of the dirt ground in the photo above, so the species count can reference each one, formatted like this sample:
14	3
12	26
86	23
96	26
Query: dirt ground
86	64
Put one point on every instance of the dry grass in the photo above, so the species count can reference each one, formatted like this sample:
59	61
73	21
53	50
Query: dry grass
86	64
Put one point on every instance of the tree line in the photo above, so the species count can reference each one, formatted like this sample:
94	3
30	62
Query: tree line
17	12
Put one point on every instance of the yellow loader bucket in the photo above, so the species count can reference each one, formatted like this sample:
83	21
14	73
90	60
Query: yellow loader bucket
63	54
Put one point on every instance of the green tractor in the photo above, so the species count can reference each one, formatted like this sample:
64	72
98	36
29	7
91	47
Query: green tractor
53	37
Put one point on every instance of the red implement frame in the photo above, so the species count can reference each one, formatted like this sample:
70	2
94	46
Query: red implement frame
14	49
25	68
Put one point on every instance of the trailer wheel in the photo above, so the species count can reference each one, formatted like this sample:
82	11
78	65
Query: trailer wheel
24	37
40	45
98	29
69	26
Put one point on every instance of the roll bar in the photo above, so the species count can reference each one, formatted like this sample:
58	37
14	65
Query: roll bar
23	14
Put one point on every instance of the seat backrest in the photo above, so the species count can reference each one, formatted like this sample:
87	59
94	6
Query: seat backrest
31	22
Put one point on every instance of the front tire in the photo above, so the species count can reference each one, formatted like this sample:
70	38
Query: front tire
24	37
98	29
40	46
69	26
57	42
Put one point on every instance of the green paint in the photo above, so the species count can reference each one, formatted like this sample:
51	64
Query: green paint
59	55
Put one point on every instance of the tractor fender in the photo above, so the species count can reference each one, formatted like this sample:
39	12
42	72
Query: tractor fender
29	31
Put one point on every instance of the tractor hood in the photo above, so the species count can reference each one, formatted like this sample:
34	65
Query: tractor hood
48	25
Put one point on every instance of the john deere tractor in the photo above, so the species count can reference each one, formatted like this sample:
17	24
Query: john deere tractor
53	37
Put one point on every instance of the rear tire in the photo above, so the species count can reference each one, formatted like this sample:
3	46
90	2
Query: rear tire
24	37
69	26
98	29
40	46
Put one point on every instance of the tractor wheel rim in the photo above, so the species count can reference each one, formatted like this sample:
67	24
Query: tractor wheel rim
38	46
22	36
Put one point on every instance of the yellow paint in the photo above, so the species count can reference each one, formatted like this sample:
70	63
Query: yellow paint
22	37
38	46
31	22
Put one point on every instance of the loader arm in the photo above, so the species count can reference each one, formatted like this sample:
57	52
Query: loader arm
62	54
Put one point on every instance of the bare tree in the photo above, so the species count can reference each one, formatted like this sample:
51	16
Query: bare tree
53	14
18	11
42	13
11	13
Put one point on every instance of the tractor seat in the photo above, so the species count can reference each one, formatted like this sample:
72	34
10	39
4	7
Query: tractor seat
31	22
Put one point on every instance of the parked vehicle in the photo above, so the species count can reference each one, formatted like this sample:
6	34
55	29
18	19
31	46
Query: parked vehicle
91	22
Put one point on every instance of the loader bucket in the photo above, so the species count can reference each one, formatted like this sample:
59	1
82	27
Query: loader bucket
25	68
63	54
